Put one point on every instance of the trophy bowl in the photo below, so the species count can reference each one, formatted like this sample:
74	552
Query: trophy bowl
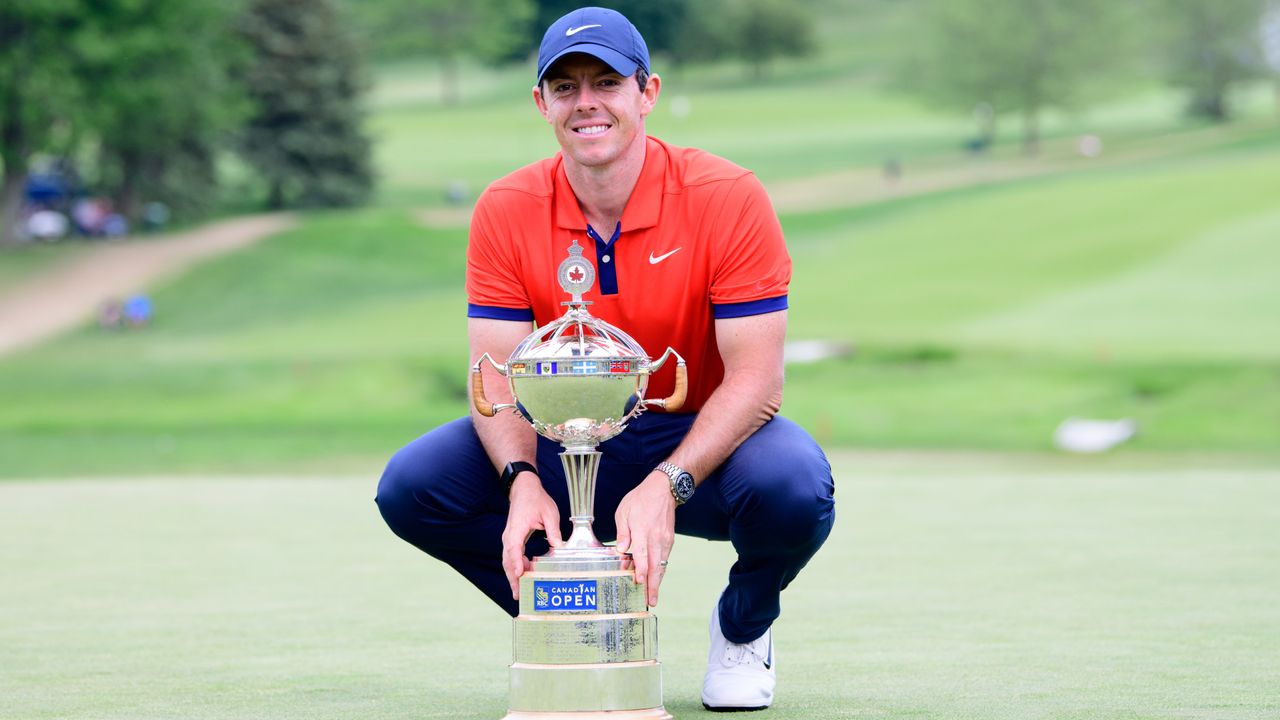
579	380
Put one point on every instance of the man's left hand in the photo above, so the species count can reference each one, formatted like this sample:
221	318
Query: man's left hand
646	521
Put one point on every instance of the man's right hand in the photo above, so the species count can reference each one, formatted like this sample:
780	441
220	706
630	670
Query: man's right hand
531	509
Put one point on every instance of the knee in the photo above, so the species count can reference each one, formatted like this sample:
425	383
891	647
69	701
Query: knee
793	500
398	495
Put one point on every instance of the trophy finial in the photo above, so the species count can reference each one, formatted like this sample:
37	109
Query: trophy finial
576	273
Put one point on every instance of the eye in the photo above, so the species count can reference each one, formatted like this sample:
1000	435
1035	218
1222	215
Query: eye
562	87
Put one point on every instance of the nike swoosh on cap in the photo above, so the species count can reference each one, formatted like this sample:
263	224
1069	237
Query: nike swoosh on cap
573	31
655	260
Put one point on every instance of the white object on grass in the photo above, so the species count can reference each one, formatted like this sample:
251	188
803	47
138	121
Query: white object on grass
1082	435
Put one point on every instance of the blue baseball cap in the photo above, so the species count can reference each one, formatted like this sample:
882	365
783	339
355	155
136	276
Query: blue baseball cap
602	33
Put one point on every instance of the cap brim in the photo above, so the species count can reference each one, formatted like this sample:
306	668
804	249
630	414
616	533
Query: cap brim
620	63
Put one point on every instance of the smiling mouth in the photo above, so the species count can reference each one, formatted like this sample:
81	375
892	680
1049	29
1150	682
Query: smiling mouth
591	129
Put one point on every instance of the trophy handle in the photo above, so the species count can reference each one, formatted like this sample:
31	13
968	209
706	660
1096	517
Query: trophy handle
677	398
483	406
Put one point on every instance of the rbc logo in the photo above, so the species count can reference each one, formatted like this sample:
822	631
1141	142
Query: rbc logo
564	595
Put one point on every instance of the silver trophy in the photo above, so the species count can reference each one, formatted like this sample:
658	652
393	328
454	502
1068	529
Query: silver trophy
585	644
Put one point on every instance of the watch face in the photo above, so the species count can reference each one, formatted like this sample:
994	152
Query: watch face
684	486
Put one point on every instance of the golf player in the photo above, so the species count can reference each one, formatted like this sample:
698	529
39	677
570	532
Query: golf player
688	254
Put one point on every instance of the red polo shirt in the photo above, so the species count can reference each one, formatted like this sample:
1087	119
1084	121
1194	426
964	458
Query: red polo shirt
698	241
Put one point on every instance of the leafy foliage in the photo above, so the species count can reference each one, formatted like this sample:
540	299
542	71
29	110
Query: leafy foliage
1017	55
158	96
659	21
38	91
304	133
489	31
1211	47
497	31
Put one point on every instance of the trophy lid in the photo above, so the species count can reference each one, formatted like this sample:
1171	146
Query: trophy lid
577	343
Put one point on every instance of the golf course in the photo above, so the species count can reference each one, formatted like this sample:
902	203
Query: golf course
187	525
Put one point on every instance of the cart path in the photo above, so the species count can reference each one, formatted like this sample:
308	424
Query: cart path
60	298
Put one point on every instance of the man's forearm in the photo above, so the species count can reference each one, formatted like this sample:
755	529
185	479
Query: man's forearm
748	397
506	437
740	406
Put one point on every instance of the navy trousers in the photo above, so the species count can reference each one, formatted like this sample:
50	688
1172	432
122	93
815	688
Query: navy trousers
773	499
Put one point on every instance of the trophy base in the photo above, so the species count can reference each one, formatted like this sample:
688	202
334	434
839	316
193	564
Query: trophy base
577	560
658	713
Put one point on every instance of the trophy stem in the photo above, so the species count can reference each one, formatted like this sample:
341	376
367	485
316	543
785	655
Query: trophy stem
581	466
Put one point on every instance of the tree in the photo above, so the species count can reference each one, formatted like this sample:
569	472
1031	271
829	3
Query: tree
38	92
1017	55
659	21
448	31
304	86
687	31
1269	36
764	30
158	98
1213	45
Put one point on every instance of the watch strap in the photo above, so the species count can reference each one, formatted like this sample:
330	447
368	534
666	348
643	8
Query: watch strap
513	469
674	473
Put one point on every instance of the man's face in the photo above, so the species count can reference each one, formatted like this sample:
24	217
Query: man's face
596	113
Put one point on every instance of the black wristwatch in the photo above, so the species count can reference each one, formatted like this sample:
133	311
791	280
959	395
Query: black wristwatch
513	469
682	485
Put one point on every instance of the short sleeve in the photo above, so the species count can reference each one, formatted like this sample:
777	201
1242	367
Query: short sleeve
494	285
753	271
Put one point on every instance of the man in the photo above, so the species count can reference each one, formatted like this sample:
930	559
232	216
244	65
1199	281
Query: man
688	253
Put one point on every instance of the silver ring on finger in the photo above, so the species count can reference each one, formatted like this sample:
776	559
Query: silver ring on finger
662	563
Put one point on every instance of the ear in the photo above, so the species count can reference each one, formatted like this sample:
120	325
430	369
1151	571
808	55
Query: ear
540	102
649	96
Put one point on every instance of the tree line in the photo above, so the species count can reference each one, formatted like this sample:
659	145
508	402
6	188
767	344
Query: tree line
149	95
495	32
1022	57
146	96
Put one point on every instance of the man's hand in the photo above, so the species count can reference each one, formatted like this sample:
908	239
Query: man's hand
646	520
531	509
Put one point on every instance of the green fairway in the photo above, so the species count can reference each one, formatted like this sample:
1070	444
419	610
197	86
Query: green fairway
952	586
187	519
782	128
978	319
983	301
987	266
16	265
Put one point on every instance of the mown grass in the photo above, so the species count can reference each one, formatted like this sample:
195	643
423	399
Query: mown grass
944	591
19	264
809	116
978	320
1158	259
979	316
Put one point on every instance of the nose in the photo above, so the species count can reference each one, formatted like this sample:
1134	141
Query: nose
586	98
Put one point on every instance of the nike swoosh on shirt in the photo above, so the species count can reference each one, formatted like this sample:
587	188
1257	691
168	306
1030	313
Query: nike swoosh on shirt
655	260
573	31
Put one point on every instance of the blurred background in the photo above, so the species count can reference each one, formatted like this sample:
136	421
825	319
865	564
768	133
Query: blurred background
233	232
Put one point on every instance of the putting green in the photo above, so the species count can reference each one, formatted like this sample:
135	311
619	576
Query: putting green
951	587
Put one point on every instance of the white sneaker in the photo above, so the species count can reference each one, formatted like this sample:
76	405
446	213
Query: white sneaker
739	677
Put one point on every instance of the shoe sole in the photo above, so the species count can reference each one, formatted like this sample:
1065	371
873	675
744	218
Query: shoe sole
735	709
